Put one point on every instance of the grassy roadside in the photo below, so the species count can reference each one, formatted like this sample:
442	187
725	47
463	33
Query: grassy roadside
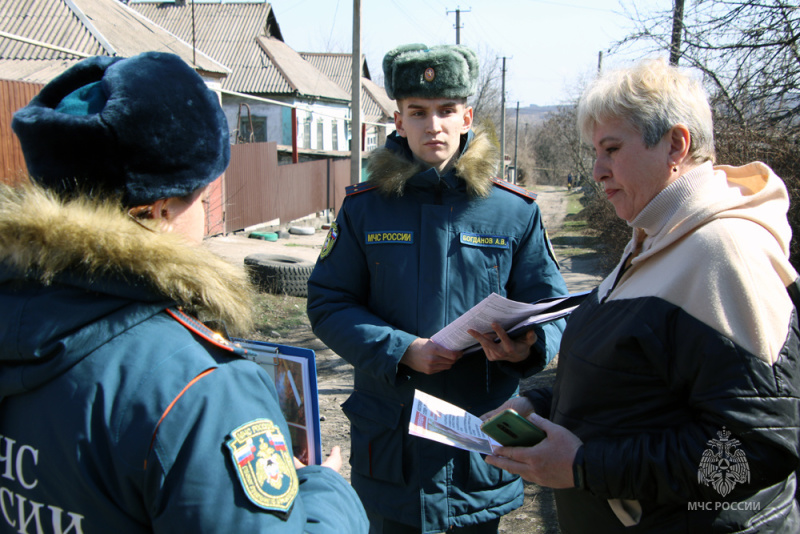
278	317
573	239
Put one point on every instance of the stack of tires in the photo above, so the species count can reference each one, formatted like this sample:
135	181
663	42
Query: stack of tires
280	275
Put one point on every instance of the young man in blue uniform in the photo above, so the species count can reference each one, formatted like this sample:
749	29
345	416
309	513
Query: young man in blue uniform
431	234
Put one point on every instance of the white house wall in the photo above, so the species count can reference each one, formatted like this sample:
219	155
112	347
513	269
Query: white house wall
278	120
326	114
272	113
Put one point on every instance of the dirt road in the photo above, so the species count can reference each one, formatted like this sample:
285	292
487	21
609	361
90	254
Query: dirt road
335	376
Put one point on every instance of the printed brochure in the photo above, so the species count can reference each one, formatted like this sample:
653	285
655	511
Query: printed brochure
438	420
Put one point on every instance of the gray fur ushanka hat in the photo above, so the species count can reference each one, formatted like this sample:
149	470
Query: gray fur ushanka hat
142	128
445	71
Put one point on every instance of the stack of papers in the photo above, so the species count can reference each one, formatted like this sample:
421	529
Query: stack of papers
514	317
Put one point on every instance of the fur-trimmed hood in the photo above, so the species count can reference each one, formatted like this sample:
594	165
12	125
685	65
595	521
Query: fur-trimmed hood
95	246
391	167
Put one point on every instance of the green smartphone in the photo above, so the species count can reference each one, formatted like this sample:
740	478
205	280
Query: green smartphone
510	429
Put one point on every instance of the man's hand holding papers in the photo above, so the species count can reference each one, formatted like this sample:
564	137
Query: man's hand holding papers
515	318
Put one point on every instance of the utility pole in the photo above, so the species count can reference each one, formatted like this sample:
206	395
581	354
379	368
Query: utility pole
355	103
194	41
503	123
458	22
599	61
516	139
677	31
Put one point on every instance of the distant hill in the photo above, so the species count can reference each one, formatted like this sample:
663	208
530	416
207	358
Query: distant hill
532	114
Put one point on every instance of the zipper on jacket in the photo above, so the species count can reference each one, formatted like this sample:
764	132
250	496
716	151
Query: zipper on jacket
622	270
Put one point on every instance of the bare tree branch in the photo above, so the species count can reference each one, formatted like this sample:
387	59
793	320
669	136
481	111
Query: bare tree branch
747	50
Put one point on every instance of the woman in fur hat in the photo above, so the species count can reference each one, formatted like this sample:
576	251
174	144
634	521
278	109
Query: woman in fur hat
120	411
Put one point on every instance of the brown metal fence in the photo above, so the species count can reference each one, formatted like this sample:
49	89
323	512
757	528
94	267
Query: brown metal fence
340	179
257	190
253	190
13	95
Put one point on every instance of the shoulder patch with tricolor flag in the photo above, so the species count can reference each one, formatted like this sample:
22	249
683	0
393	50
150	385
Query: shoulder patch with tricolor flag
330	241
264	465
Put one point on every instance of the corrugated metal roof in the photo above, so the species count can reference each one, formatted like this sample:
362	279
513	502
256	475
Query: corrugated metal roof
40	71
41	38
378	95
229	32
375	103
301	74
48	21
336	66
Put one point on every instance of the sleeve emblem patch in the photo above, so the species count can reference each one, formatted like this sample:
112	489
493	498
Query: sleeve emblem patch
264	465
330	240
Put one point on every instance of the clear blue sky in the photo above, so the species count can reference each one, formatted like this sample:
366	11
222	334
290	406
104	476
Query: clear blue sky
550	45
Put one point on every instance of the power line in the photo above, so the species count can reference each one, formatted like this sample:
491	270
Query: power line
575	6
333	24
290	7
407	13
430	6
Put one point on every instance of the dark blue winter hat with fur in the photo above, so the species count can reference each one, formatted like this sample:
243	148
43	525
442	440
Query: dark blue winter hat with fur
445	71
142	128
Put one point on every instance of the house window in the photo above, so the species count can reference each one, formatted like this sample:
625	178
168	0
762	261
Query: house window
348	130
334	135
371	140
307	132
320	133
259	130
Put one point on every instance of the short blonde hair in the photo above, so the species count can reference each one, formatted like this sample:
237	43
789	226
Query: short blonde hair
653	97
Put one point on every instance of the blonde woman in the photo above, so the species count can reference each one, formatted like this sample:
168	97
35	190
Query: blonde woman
675	406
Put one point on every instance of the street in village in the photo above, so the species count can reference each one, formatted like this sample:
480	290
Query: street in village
335	378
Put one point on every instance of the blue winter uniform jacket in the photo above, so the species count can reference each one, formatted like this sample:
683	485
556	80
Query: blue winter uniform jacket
108	422
410	252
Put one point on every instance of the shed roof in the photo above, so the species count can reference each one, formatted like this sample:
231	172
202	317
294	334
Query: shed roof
39	39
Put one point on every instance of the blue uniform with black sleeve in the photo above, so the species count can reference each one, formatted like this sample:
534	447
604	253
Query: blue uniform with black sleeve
410	252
